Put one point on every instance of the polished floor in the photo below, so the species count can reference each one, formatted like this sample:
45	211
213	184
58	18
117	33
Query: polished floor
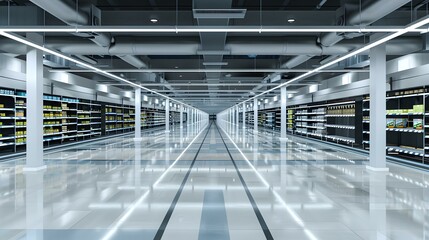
209	182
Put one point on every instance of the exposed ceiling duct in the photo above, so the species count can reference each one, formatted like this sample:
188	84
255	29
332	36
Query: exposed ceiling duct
75	17
237	46
355	15
213	13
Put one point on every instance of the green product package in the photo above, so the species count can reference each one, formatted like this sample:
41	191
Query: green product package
390	123
418	123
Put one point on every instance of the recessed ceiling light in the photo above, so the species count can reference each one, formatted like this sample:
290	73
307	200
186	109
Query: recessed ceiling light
176	67
180	75
154	20
291	20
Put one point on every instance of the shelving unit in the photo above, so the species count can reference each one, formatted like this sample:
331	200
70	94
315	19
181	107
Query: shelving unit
347	122
309	120
67	119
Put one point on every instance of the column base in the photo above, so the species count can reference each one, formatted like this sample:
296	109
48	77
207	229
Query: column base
282	139
167	131
376	169
181	126
255	131
138	139
34	169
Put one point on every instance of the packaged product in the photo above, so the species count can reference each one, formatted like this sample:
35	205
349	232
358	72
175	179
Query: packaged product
390	123
401	122
418	124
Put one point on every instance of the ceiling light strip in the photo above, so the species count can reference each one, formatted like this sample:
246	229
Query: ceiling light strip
387	38
196	29
90	67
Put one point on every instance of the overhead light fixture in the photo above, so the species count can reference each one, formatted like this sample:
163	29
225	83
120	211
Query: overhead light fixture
215	63
154	20
367	47
81	63
291	20
313	88
346	79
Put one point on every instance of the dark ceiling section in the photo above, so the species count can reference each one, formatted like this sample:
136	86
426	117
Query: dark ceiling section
235	57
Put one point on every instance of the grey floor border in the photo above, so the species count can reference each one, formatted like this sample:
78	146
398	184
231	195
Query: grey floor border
252	201
167	217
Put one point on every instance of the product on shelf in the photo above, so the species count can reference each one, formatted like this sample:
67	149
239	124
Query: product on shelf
390	123
418	124
20	113
7	92
401	122
418	108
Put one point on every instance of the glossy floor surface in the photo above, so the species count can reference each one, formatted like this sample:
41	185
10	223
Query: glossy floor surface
211	182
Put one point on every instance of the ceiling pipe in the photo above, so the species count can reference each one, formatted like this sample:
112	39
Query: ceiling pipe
68	14
237	46
355	15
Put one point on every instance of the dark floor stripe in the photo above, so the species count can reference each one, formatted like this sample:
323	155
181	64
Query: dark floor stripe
258	213
214	222
167	217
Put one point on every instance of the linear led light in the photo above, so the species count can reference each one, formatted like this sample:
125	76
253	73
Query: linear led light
280	70
197	29
215	63
387	38
83	64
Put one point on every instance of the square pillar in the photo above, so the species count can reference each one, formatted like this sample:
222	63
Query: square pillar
244	115
181	115
237	112
283	115
138	113
377	90
167	115
188	116
255	115
34	82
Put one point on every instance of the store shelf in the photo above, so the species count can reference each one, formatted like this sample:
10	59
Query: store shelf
343	115
340	126
340	138
411	130
410	151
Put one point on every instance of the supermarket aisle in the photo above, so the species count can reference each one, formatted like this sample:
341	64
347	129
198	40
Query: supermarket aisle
226	184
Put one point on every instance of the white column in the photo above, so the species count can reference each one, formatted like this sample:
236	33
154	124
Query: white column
188	115
138	113
233	114
283	115
167	115
237	119
181	115
34	82
244	115
34	205
255	115
377	85
193	116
